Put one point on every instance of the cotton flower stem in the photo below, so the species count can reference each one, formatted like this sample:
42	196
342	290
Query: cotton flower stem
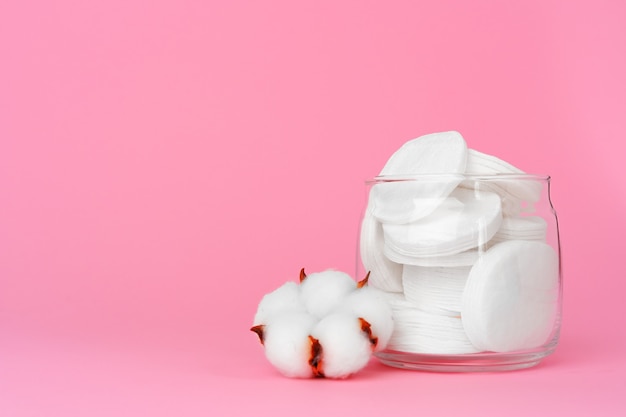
364	281
260	331
315	359
367	329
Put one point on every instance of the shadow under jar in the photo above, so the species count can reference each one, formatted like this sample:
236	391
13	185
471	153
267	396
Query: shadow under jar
470	265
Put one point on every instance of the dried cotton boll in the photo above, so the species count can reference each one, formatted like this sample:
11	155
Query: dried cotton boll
345	346
321	292
370	304
284	298
287	343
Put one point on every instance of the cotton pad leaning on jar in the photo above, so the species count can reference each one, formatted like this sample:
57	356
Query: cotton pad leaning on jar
510	299
400	201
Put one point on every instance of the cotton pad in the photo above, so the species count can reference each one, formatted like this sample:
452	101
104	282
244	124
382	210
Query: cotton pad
384	274
514	192
370	304
521	228
465	220
404	201
435	289
399	202
435	153
417	331
465	258
510	299
321	292
287	344
345	346
284	298
479	163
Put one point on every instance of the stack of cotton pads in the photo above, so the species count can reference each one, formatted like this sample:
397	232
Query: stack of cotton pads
464	263
326	326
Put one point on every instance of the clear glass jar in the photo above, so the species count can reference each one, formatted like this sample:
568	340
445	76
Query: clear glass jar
470	265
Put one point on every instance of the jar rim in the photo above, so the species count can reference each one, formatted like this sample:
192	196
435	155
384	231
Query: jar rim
461	177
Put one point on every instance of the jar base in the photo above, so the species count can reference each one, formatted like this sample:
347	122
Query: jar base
477	362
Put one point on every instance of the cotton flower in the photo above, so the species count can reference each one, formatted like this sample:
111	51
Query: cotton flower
326	326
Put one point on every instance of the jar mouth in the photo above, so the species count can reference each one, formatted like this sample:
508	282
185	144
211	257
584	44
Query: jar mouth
458	177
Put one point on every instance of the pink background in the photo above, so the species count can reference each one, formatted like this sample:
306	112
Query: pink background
165	164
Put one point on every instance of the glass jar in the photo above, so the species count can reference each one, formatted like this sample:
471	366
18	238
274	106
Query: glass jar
470	265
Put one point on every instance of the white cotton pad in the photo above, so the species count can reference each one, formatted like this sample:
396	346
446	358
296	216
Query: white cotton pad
404	201
467	219
400	202
479	163
417	331
284	298
321	292
521	228
515	193
371	305
465	258
510	299
346	348
384	274
435	289
287	345
435	153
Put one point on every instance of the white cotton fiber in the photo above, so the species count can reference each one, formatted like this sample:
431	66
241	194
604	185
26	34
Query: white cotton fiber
284	298
346	348
287	344
371	305
321	292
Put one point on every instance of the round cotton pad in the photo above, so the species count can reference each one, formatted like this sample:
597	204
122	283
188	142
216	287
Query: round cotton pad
510	299
483	164
417	331
467	219
465	258
384	273
521	228
435	290
400	202
404	201
435	153
514	192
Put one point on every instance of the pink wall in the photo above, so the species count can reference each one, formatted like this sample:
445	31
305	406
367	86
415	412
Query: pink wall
164	164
